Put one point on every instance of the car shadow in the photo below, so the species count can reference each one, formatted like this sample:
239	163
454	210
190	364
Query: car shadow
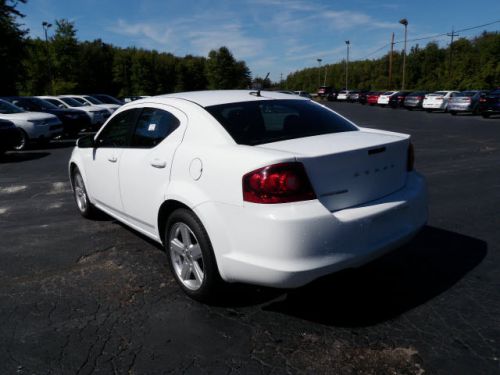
429	265
63	143
18	157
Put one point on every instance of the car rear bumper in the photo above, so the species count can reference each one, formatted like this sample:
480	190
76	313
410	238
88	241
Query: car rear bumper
458	107
290	245
434	105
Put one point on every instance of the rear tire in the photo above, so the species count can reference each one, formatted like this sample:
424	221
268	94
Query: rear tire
191	257
453	113
485	115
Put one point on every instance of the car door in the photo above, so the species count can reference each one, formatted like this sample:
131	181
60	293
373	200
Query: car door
101	166
145	166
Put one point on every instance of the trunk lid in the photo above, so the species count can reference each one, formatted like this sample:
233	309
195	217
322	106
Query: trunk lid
350	168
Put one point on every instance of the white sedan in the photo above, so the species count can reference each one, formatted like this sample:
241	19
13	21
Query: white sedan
438	100
384	98
248	186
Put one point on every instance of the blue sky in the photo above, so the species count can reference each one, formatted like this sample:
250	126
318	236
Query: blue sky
276	36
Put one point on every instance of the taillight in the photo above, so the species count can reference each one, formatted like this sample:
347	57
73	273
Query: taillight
419	97
401	97
278	183
482	100
410	161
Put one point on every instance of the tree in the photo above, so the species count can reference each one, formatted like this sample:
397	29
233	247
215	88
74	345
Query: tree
66	63
12	47
224	72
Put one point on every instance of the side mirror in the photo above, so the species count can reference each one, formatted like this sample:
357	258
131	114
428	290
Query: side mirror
86	141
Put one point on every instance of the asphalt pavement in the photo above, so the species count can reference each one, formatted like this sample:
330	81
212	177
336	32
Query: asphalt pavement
82	297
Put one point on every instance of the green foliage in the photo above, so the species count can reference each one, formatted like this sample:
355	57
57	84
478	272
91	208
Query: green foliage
12	47
224	72
475	65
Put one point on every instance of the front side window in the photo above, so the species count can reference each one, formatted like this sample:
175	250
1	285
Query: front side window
266	121
118	131
153	126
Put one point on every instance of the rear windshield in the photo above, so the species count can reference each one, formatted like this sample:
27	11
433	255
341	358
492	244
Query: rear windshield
266	121
466	93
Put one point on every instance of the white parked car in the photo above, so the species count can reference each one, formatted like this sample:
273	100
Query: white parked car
384	98
256	187
438	100
97	115
343	95
34	126
89	100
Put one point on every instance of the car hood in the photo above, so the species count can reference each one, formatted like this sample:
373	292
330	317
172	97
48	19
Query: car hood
27	116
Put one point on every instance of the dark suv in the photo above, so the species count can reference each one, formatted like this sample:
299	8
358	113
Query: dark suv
324	91
490	104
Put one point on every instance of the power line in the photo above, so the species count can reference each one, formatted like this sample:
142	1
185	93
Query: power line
430	37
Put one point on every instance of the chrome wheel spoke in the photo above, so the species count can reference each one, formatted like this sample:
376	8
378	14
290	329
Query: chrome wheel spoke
177	247
186	238
185	271
198	272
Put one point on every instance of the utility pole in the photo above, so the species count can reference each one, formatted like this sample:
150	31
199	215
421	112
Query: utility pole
404	22
319	72
46	26
452	35
348	43
326	69
390	62
281	80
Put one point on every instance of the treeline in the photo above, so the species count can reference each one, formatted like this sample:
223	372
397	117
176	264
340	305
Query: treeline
63	64
475	64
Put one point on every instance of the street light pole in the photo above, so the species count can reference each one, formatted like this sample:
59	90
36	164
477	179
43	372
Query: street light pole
46	26
348	43
404	22
319	72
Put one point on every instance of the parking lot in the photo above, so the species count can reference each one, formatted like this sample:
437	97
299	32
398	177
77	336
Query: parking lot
79	296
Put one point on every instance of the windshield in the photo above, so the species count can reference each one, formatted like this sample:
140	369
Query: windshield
73	103
44	104
108	99
7	108
266	121
92	100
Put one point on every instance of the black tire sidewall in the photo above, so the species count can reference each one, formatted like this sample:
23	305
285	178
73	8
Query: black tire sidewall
212	280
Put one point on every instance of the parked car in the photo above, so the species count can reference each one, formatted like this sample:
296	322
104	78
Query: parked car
73	120
9	136
332	95
372	97
414	100
437	101
354	95
398	100
33	126
362	98
324	91
490	104
301	180
466	101
128	99
97	115
343	95
89	100
385	97
108	99
304	94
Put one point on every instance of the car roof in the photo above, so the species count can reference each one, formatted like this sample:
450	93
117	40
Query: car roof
216	97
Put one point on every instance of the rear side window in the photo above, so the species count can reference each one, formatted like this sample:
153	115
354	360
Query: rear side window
118	130
266	121
153	126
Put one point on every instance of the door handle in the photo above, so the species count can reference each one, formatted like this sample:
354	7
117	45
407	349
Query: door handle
157	163
112	159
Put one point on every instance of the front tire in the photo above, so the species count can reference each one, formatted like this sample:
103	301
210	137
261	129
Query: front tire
86	209
24	140
191	256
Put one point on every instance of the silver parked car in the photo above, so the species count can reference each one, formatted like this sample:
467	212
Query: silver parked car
466	101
